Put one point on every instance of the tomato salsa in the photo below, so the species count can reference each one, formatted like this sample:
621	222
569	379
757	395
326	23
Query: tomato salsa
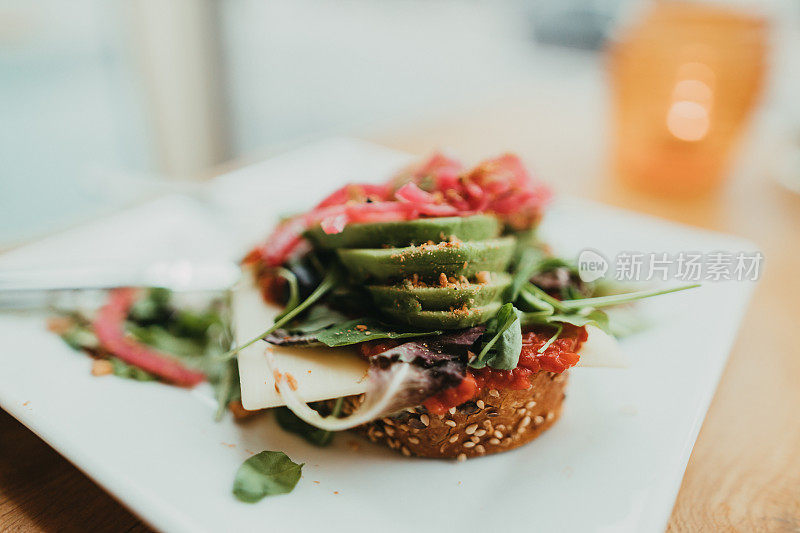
561	355
558	357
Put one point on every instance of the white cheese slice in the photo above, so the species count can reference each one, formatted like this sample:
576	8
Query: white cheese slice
323	373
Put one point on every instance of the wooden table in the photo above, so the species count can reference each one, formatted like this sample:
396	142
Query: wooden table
744	473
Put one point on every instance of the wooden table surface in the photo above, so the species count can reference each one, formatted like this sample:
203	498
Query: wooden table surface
744	473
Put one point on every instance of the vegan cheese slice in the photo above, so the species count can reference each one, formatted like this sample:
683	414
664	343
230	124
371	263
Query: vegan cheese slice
321	372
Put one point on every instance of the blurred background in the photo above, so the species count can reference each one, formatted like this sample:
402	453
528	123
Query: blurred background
104	103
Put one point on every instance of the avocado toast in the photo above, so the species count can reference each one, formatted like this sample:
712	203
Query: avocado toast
423	297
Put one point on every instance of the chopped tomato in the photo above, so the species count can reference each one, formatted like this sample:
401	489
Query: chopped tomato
440	403
558	357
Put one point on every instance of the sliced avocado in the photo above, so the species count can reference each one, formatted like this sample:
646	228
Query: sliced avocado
403	296
445	319
406	233
429	261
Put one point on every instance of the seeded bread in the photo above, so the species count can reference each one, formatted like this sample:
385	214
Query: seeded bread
495	421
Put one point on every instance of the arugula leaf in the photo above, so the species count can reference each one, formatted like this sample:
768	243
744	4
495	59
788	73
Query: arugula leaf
164	340
363	330
594	317
531	302
81	337
292	423
528	264
319	317
266	474
331	279
551	340
505	344
226	389
122	369
294	290
541	295
617	299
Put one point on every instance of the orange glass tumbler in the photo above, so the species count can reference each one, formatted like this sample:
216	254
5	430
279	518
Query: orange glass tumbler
684	81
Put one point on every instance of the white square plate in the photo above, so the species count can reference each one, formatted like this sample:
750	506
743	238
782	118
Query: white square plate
614	461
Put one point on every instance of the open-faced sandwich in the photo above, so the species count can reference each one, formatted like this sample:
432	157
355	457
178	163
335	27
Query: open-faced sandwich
423	313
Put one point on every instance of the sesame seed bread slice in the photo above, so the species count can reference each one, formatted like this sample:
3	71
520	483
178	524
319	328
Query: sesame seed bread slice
495	421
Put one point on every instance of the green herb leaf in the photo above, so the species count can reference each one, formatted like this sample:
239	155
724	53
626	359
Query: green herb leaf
528	265
124	370
319	317
294	290
504	332
164	340
541	295
226	389
292	423
266	474
594	317
363	330
331	279
551	340
617	299
81	338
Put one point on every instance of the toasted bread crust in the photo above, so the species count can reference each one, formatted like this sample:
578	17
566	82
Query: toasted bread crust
495	421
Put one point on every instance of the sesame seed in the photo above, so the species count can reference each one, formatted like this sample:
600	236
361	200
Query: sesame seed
378	434
471	429
468	444
389	431
493	392
424	419
453	438
461	457
525	421
521	411
413	440
452	411
480	449
387	421
487	425
403	427
530	404
475	439
405	451
538	419
501	427
480	404
498	434
494	441
450	423
480	433
550	415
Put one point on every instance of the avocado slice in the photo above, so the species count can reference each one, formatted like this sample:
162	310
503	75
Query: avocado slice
444	319
406	233
429	261
403	296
